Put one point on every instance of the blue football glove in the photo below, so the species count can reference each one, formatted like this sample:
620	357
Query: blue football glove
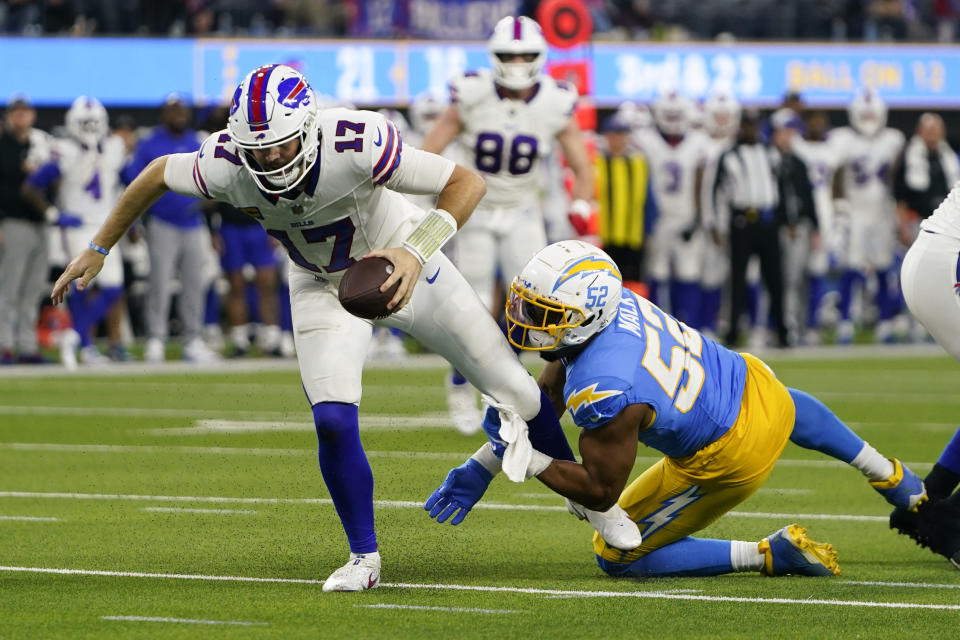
491	426
68	220
462	489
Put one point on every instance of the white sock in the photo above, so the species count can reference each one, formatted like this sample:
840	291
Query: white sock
873	464
745	556
240	337
373	555
268	337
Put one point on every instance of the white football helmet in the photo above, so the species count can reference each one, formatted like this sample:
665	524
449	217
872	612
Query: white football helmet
424	110
636	115
672	111
867	112
722	112
86	121
567	293
273	105
517	36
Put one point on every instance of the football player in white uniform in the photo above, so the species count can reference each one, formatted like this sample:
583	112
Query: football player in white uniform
866	151
85	174
324	184
821	160
721	122
506	120
931	279
675	253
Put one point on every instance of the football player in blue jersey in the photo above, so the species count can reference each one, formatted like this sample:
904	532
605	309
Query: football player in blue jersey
630	373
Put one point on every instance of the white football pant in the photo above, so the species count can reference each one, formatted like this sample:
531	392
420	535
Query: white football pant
929	278
444	314
495	237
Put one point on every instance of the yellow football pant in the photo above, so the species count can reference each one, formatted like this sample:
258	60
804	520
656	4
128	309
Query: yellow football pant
678	496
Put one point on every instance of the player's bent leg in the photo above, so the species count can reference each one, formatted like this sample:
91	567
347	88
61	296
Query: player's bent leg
685	557
818	428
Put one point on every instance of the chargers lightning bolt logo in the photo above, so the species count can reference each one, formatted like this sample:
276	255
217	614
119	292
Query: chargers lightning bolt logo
588	395
671	509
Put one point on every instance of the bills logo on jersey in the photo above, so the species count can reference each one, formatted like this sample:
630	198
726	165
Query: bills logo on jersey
293	92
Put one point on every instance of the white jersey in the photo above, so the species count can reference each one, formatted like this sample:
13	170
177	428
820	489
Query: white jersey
89	177
867	164
822	160
503	138
945	220
674	170
341	213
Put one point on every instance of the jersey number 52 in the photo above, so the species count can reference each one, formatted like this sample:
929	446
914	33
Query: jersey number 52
685	348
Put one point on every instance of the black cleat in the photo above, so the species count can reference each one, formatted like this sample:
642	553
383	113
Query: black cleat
935	526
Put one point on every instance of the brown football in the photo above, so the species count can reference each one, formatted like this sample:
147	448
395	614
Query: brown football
359	289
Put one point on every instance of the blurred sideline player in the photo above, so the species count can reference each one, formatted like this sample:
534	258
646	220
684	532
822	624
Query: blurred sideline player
676	154
84	173
866	152
629	372
821	160
506	120
324	184
627	209
721	122
931	279
243	244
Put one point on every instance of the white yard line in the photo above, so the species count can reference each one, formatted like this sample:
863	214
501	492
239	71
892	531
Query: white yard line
185	621
399	504
657	595
29	518
244	512
417	607
261	451
897	585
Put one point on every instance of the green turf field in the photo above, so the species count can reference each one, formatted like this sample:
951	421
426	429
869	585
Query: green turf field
187	499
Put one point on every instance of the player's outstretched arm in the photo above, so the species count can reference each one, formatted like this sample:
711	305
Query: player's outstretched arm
142	192
444	130
608	453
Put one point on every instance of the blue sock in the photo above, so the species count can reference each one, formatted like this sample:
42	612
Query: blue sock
99	306
656	292
458	378
818	428
710	308
283	298
685	557
346	471
80	313
888	293
211	310
846	291
814	295
950	458
546	434
685	301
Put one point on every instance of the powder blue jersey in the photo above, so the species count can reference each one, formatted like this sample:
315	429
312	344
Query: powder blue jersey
694	385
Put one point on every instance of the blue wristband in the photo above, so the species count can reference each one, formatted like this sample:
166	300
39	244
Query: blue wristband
99	249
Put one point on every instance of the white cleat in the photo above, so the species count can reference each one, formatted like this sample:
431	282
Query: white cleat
154	351
91	356
362	572
613	525
197	351
68	342
462	404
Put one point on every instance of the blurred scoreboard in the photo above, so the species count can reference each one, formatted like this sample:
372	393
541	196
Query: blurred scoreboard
140	72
